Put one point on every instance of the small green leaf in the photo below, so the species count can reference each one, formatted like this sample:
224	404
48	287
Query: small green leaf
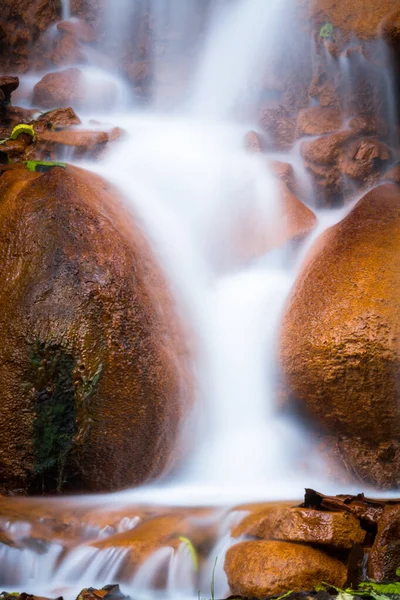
44	165
192	551
18	129
326	31
285	595
381	588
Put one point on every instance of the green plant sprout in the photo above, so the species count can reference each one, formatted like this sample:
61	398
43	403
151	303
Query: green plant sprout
212	582
326	31
192	551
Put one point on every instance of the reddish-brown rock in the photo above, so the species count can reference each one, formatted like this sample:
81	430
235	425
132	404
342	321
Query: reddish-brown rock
283	171
22	25
318	120
93	366
340	351
8	84
79	29
58	119
265	568
59	90
384	558
323	88
363	158
307	525
359	18
253	142
81	142
67	51
368	125
325	150
393	174
280	127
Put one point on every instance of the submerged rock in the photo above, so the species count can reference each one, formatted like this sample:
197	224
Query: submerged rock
259	569
340	350
93	366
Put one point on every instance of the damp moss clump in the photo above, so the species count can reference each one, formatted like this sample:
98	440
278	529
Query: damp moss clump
52	369
41	166
326	31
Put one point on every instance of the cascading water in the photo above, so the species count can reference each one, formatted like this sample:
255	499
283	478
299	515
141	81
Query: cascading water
66	9
193	187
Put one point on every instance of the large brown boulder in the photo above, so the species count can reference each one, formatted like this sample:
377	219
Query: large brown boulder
259	569
93	369
59	90
340	349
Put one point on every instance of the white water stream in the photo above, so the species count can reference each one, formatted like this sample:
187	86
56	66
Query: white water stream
193	187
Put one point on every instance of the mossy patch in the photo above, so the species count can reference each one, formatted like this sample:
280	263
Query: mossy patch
41	166
19	129
326	31
52	369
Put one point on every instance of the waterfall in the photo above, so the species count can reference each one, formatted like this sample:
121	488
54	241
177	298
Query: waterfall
66	9
193	185
197	192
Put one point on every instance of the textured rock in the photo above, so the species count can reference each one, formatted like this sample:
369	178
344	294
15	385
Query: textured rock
340	352
93	369
318	120
8	84
384	558
67	51
364	158
59	90
22	26
81	142
393	174
306	525
335	159
359	18
327	149
79	29
58	119
263	568
368	125
280	127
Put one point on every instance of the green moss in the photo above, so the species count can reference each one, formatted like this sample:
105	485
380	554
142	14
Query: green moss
18	129
41	166
52	371
326	31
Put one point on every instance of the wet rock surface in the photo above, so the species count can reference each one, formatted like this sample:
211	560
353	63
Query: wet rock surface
59	90
96	358
306	525
258	569
340	353
286	545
